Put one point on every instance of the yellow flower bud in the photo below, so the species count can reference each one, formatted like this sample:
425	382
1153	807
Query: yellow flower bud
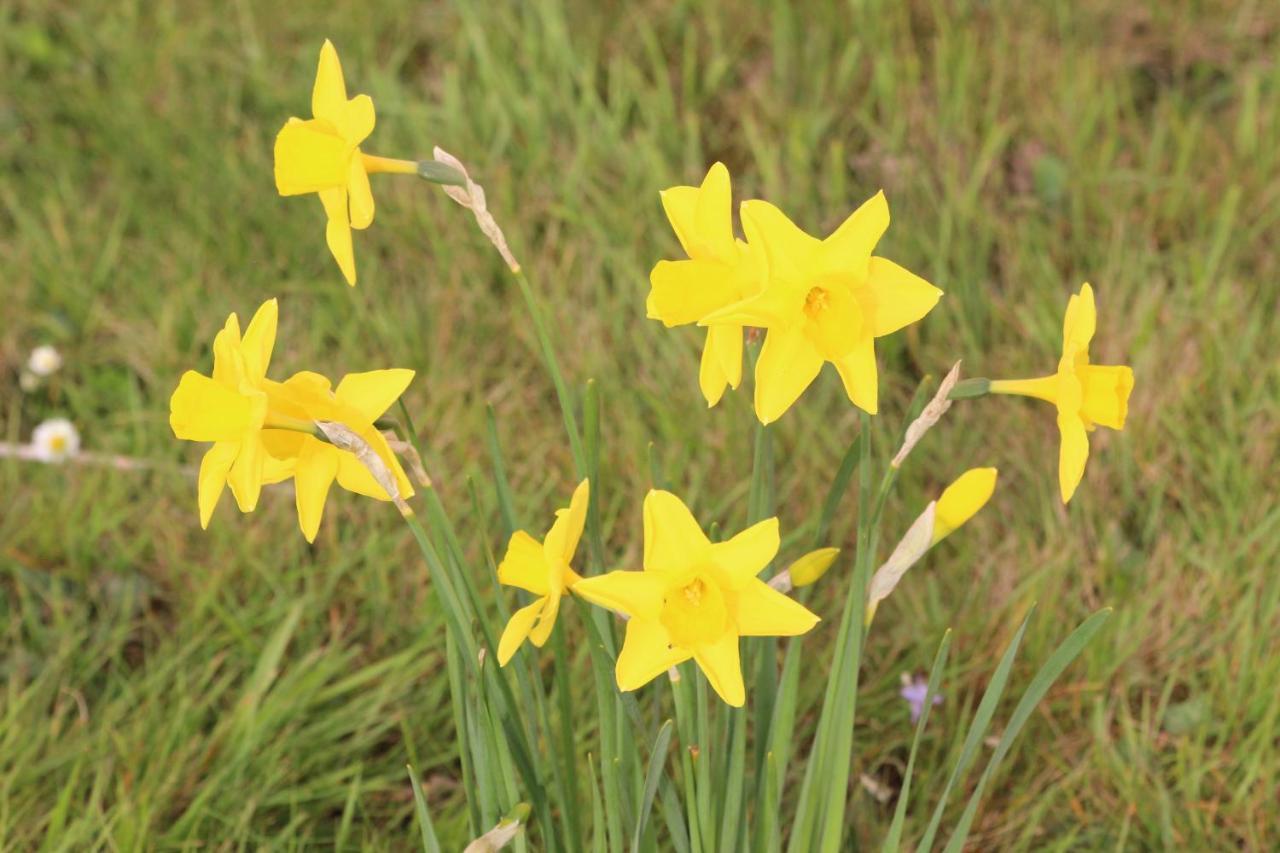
961	500
812	566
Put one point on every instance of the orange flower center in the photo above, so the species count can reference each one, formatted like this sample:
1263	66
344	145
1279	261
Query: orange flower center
815	301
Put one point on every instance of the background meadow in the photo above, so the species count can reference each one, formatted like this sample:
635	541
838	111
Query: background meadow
163	686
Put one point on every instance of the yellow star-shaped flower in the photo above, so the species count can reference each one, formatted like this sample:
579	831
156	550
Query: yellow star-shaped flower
823	300
694	599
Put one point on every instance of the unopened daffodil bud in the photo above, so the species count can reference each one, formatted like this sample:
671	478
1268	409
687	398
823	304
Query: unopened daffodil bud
812	566
961	500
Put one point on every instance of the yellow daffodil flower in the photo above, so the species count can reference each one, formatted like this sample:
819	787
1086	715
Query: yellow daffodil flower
1086	395
322	155
230	409
358	401
543	569
694	599
823	300
721	270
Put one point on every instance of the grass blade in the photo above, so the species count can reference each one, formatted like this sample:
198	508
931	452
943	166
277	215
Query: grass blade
430	844
977	729
652	778
1040	684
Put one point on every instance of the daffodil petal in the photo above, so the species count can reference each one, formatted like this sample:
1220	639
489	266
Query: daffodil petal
1080	321
338	232
546	621
861	379
372	392
646	654
310	156
245	478
359	195
518	628
329	95
360	119
355	478
713	215
896	297
762	611
719	661
680	205
214	466
562	539
745	555
635	594
1073	454
849	247
202	409
788	364
260	339
228	360
788	249
673	539
686	291
316	469
721	362
524	565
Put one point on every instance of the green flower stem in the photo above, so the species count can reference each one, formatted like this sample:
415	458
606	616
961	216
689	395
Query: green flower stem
557	378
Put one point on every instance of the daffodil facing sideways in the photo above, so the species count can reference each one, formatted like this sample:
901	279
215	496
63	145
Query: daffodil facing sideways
720	271
230	410
694	599
357	403
823	300
542	568
322	155
1086	395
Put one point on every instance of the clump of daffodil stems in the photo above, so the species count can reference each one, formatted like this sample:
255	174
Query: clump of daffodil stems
697	608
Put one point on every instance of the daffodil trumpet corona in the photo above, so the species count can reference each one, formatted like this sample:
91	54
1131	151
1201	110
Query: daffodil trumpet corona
694	599
1086	395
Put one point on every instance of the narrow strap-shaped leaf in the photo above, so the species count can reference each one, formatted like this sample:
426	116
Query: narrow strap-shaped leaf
835	493
599	833
506	503
652	777
977	730
429	842
894	837
1040	684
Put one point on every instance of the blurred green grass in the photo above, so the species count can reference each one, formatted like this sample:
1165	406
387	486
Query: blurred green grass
164	686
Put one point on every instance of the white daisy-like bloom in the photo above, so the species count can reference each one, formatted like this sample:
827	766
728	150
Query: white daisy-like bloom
55	440
45	360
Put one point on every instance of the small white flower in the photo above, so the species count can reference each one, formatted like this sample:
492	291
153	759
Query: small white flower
44	360
55	440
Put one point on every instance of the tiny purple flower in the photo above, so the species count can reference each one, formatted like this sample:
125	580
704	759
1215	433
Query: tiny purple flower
914	689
